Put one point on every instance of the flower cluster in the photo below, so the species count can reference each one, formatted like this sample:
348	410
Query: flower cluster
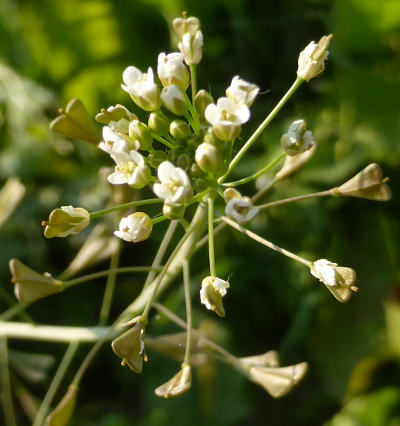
183	153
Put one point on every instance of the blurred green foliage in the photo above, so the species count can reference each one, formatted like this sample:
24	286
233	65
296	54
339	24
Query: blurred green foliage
53	51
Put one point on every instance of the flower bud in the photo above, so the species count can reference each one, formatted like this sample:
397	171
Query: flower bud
66	221
293	163
172	70
62	414
183	161
211	293
155	158
298	139
130	347
191	47
209	158
30	285
278	381
75	123
368	184
178	385
173	99
173	211
186	25
114	113
201	102
179	129
140	132
312	59
158	123
339	280
238	207
135	228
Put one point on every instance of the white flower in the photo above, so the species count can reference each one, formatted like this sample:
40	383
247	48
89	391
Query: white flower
191	47
242	92
226	118
339	280
134	228
173	99
238	207
172	70
175	186
142	89
113	142
312	59
131	169
211	293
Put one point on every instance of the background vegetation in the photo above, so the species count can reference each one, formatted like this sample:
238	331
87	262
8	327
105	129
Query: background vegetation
53	51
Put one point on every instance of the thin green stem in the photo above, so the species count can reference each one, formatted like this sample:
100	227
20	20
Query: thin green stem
162	140
8	408
193	80
264	189
9	300
110	286
164	271
159	219
161	252
95	275
186	284
13	311
211	250
261	128
257	174
94	215
266	242
293	199
55	383
193	112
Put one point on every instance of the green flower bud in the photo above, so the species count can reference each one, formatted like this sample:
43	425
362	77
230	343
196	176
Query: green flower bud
183	161
130	347
200	103
140	132
30	285
193	142
66	221
156	158
179	129
158	123
173	211
209	158
173	99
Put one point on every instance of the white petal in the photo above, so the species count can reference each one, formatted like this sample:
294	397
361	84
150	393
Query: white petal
137	158
130	76
243	113
165	171
118	178
212	113
161	191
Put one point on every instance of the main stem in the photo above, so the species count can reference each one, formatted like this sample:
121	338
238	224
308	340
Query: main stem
186	283
261	128
211	250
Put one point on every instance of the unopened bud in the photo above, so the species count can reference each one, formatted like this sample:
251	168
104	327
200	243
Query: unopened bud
66	221
209	158
138	131
158	123
173	211
183	161
179	129
173	99
156	158
201	102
